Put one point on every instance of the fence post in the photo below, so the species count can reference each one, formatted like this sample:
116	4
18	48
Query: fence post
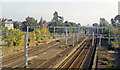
66	36
93	39
25	50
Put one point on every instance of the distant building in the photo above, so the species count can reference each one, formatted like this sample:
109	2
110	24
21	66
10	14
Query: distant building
9	24
119	8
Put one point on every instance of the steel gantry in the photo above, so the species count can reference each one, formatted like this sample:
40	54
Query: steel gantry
90	32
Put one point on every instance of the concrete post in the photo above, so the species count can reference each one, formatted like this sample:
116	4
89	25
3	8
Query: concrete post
97	30
93	39
78	34
54	32
100	41
73	39
109	35
69	30
25	50
66	36
27	34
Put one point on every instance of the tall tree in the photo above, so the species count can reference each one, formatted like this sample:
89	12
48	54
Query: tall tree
30	21
16	24
117	20
79	24
55	16
103	22
95	24
113	22
41	22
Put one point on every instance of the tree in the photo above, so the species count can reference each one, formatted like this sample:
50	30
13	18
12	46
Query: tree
116	21
12	40
41	22
103	22
16	24
58	21
117	18
55	16
30	21
79	24
95	24
113	22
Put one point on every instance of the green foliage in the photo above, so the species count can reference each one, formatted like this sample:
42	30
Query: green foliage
104	63
103	22
114	31
55	16
41	22
116	43
2	24
38	34
79	25
30	21
57	21
12	40
33	36
95	24
16	24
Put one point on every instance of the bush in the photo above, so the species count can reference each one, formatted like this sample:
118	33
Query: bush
115	43
106	59
29	40
104	63
12	40
30	62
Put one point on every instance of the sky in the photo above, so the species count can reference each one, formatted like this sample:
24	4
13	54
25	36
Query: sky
78	11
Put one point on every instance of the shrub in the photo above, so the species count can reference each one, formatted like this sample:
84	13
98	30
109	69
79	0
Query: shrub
12	40
104	63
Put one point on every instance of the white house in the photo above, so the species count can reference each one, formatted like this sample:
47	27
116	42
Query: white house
9	24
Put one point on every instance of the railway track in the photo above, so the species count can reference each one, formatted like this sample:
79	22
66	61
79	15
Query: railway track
76	60
33	50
